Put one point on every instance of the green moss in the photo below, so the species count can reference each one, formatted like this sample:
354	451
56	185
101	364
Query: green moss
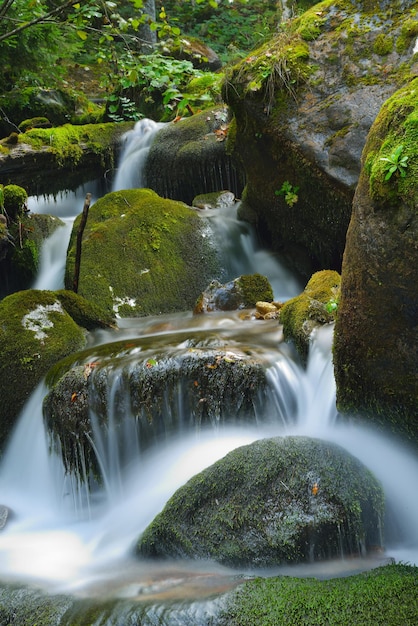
141	254
34	122
408	33
255	288
253	507
14	201
309	25
386	595
317	305
68	142
382	45
35	332
86	314
397	125
281	64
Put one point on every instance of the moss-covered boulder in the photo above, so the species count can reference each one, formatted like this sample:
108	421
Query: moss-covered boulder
241	293
142	254
280	500
315	306
189	158
303	104
35	332
376	337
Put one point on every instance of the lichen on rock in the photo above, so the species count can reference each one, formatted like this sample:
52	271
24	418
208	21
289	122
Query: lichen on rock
35	332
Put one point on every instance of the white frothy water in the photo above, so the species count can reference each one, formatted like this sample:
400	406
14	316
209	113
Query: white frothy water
66	206
134	155
67	547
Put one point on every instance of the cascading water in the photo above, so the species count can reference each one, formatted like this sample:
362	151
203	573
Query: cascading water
64	538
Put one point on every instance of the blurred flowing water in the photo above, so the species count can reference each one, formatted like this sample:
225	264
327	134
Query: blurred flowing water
64	538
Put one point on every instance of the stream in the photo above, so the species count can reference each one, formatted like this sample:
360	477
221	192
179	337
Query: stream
63	542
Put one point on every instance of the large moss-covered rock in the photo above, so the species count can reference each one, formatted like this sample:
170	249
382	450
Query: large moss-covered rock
376	334
189	158
303	105
142	254
275	501
35	332
315	306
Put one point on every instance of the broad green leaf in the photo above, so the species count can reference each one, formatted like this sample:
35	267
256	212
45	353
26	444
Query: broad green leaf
82	34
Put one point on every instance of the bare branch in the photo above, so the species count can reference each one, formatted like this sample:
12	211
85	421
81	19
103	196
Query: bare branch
5	6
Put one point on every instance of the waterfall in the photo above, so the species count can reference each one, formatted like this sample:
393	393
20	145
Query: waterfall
137	143
65	538
65	205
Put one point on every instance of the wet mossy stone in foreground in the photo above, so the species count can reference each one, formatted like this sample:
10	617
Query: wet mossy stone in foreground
279	500
142	254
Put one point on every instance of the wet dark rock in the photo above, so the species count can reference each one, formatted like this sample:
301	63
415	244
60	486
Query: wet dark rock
376	340
155	393
241	293
214	200
280	500
189	158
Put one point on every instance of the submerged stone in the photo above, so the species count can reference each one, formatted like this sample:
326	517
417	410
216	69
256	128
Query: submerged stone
279	500
135	395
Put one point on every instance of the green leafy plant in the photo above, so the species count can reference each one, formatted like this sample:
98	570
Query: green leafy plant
332	305
121	108
289	192
396	162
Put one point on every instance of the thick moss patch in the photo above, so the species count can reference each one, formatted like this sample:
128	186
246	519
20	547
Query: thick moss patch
275	501
395	127
142	255
35	332
386	595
